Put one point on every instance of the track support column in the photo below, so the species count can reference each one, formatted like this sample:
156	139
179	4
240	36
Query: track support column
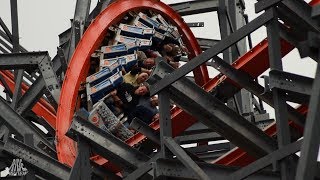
280	106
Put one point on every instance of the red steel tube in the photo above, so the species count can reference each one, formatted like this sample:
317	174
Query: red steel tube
92	38
41	108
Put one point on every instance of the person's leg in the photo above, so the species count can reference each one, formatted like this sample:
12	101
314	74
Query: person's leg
144	113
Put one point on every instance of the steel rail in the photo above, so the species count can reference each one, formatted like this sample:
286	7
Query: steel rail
92	38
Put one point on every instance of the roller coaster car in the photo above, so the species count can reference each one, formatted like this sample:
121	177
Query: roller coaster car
160	19
172	31
145	44
98	91
99	36
123	39
114	50
113	67
134	31
137	22
158	37
152	23
126	61
102	117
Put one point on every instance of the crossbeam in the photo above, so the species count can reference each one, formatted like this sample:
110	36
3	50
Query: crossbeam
214	114
106	144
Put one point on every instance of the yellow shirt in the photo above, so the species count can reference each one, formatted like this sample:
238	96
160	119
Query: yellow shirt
131	79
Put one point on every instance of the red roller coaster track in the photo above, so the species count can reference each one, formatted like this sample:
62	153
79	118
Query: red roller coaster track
90	41
254	62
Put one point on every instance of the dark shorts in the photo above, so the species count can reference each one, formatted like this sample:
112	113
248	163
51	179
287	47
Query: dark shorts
143	113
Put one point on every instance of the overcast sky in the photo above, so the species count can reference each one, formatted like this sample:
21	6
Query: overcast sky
41	21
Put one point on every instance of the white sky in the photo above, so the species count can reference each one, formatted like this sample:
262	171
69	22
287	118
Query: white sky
41	21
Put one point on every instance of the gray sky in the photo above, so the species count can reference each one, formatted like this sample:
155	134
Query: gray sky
41	21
